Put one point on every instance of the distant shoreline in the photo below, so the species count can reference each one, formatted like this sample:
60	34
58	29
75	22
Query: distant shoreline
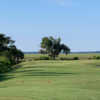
83	52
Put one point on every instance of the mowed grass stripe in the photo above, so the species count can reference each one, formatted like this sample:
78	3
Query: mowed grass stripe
52	80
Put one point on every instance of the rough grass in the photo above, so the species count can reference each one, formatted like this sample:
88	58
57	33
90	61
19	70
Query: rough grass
30	57
52	80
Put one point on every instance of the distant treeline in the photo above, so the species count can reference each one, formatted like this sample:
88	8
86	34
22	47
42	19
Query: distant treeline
83	52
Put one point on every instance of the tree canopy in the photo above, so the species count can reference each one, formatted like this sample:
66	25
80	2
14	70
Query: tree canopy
5	42
53	46
8	48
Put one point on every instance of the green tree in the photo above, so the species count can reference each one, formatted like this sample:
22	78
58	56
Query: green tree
15	55
8	51
53	47
5	42
7	48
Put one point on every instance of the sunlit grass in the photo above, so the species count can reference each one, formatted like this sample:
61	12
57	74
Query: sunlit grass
52	80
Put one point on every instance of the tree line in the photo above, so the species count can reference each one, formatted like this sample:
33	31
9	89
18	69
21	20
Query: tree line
10	52
49	45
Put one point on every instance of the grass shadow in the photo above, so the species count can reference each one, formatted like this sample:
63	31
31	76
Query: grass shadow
32	72
5	77
43	73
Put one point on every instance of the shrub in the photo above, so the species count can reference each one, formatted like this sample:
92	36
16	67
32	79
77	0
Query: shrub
4	67
42	58
65	58
76	58
96	57
90	58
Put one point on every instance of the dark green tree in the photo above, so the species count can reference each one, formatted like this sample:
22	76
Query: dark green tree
53	47
7	48
42	51
15	55
5	42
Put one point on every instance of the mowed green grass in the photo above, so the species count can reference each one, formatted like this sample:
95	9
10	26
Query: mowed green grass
52	80
80	56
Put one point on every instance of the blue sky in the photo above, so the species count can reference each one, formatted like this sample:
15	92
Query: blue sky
77	22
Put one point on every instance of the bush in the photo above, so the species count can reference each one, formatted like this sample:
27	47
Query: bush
4	67
90	58
5	64
76	58
96	57
65	58
42	58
